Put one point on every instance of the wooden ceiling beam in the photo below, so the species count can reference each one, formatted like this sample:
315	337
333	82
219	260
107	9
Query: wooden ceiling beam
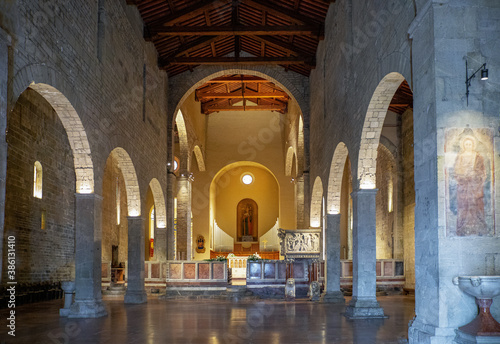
236	79
164	63
197	44
208	110
236	30
280	11
190	12
240	94
278	44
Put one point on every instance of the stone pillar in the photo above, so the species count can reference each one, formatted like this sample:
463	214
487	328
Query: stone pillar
184	242
5	42
332	291
160	244
299	199
135	279
170	244
88	236
442	119
307	200
363	304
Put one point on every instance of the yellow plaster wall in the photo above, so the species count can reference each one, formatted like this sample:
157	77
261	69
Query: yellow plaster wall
230	191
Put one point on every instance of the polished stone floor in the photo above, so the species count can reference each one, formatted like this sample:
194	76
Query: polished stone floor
210	321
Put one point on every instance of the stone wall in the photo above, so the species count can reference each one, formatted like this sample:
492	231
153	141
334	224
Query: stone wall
114	233
36	134
102	70
385	207
408	197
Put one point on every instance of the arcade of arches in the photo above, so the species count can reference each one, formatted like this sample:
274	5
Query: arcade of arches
124	160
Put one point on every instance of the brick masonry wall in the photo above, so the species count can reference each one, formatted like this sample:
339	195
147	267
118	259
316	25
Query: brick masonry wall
36	134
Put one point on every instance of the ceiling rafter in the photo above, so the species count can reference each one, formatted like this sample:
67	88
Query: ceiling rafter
163	63
188	33
236	30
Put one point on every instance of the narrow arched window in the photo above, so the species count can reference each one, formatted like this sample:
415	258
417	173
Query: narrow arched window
37	180
152	223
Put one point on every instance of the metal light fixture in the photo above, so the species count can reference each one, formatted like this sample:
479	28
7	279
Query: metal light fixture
484	76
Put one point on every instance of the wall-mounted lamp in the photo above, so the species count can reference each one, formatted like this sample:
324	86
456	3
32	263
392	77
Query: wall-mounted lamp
484	76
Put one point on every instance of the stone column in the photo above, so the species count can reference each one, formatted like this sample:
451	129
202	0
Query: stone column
135	279
170	244
160	244
5	42
88	236
332	291
307	199
363	304
184	243
299	199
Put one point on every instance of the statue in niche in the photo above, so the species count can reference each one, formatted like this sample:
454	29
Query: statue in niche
470	175
247	220
469	181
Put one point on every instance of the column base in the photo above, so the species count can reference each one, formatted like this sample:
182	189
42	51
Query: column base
420	333
136	297
364	309
465	338
64	312
333	297
87	309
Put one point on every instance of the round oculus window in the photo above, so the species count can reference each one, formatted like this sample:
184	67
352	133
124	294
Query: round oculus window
247	179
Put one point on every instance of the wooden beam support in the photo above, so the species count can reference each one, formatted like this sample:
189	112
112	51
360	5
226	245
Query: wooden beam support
190	12
240	94
211	109
236	79
237	30
164	63
280	11
278	44
197	44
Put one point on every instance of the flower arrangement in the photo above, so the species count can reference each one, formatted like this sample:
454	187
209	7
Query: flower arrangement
219	258
254	256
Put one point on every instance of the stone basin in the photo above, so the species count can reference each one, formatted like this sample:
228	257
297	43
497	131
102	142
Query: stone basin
481	287
484	328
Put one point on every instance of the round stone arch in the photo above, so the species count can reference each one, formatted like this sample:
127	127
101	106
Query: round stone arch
160	209
130	177
335	178
290	154
184	85
199	158
300	148
183	140
77	137
372	128
62	96
316	202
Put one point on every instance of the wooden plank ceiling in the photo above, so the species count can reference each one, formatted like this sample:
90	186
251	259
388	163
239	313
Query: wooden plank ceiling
188	33
241	93
402	100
